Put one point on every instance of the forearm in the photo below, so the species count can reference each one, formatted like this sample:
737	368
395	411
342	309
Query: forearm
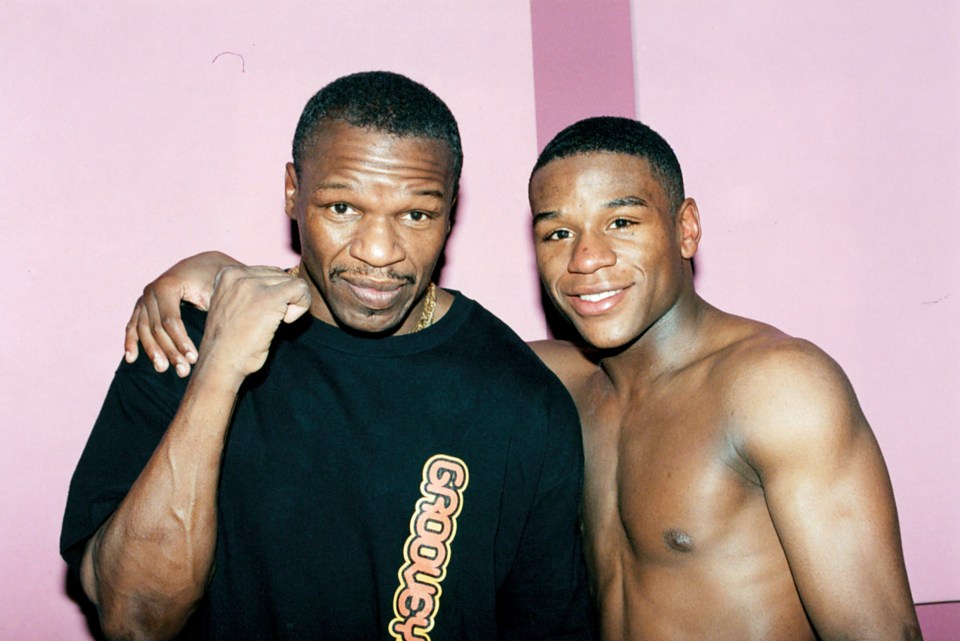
149	564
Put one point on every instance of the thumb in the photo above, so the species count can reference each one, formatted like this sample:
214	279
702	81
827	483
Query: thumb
299	302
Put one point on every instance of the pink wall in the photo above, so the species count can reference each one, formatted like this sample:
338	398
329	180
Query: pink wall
124	146
822	141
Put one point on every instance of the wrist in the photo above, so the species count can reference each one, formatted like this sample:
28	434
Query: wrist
217	375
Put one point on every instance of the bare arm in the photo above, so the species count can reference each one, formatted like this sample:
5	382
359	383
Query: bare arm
828	494
156	321
148	565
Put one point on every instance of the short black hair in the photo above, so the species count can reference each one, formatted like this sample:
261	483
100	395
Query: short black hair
382	101
619	136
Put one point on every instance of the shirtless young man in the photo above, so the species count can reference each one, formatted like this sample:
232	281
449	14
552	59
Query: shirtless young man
733	490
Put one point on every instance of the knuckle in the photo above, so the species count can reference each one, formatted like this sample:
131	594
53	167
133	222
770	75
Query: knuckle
156	284
229	272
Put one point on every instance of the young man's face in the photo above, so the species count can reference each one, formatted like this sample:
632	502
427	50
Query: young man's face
373	211
609	250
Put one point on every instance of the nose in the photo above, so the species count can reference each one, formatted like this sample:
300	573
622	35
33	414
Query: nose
591	252
376	243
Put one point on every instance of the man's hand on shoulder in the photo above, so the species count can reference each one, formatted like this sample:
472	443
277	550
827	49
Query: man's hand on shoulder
155	322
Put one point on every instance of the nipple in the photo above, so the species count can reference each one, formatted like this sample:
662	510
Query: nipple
678	540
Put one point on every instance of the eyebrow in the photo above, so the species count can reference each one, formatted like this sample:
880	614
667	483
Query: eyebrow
436	193
333	186
626	201
544	215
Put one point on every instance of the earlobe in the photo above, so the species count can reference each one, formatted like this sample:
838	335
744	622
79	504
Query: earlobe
290	190
688	228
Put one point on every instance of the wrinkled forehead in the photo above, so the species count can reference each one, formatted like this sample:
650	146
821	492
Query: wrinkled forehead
332	139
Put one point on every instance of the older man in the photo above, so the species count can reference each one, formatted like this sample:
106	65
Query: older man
358	454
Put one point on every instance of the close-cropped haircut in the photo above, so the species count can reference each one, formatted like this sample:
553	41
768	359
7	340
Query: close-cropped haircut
381	101
619	136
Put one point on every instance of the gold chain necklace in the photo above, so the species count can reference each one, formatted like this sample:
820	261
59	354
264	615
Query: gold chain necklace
429	302
429	307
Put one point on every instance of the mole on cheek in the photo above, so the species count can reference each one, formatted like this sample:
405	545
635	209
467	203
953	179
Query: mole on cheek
678	540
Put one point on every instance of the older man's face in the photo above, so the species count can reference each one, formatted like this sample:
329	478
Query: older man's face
374	212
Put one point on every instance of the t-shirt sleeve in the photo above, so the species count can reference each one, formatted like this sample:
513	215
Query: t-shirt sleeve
139	406
546	594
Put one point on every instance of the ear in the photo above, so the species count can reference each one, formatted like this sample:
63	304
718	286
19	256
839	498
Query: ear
290	191
688	228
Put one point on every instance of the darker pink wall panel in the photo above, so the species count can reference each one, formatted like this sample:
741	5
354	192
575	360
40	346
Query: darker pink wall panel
582	62
940	621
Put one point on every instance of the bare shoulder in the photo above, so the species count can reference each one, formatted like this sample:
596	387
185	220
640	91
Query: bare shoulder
784	394
572	364
766	359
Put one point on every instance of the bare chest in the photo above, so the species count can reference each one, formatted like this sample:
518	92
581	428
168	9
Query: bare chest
664	482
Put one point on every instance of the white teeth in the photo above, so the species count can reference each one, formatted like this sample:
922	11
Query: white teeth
593	298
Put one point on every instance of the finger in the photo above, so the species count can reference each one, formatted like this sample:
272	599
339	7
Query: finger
130	349
265	271
180	349
298	302
153	337
149	345
265	276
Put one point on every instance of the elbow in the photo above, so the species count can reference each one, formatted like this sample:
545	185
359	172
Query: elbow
135	605
140	621
115	630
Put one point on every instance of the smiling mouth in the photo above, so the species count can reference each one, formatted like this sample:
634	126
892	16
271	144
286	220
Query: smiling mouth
596	298
596	303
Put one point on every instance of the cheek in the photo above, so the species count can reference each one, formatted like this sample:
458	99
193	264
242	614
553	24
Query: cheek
424	248
551	263
324	241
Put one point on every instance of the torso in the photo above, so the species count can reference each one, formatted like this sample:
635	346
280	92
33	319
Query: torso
678	537
364	478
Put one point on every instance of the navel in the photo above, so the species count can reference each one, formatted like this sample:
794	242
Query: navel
678	540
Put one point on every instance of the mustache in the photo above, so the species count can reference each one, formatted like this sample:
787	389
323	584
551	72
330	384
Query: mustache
380	274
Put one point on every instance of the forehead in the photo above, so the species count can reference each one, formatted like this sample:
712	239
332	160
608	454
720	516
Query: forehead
338	147
593	174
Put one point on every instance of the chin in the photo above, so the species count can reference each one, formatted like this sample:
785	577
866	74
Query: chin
607	344
386	322
604	338
374	325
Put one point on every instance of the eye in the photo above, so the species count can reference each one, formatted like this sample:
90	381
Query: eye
558	234
341	209
417	215
621	223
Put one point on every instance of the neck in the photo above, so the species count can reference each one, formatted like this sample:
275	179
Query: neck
672	342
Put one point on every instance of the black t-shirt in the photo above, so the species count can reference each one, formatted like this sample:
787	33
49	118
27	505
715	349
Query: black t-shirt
425	484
